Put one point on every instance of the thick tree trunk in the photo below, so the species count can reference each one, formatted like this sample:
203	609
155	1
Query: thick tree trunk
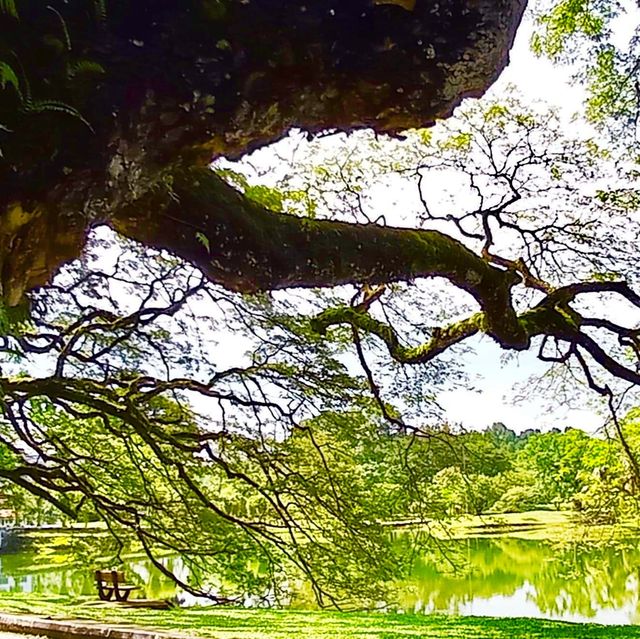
102	105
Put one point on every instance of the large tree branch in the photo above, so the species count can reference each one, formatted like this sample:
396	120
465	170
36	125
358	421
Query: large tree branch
552	317
246	247
441	339
537	321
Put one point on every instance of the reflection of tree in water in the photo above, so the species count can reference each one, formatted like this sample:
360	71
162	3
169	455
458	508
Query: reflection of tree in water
21	573
583	579
568	579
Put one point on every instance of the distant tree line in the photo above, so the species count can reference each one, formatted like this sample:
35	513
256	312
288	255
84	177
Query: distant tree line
443	472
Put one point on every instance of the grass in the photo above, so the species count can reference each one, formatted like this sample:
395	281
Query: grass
235	623
535	525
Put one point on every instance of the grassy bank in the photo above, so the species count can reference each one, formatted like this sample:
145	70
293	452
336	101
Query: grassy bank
232	623
535	525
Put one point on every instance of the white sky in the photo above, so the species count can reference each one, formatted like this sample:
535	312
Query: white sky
494	400
536	80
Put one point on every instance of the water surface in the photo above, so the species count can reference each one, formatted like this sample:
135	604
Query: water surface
498	576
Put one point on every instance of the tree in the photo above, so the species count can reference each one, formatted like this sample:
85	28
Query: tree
563	463
96	131
109	114
235	240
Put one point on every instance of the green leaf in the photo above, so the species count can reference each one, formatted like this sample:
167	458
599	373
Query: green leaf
54	106
9	8
204	240
12	318
459	141
8	76
567	19
267	196
496	112
63	24
85	67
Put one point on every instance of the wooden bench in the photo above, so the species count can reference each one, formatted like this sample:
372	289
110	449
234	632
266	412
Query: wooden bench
113	582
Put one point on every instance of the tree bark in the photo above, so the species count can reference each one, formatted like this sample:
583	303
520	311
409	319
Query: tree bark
103	104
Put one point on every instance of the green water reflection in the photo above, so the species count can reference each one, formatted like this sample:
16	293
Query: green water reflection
480	576
20	572
515	577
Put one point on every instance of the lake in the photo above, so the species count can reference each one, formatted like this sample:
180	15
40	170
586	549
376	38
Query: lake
496	576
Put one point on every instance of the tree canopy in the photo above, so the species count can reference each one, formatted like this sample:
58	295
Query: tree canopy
129	264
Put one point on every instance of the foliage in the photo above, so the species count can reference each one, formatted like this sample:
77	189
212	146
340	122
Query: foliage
285	455
566	19
293	201
580	32
13	319
28	509
270	466
520	498
47	77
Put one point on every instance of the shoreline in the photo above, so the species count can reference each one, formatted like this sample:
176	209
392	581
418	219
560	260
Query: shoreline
83	618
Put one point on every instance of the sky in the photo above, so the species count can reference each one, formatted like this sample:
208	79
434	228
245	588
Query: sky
496	399
536	79
493	400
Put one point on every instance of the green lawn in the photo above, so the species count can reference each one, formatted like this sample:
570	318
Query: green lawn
542	525
233	623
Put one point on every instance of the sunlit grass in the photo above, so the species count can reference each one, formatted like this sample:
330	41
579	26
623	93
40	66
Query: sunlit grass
535	525
234	623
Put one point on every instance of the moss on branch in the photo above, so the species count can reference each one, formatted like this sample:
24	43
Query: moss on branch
245	247
557	321
441	339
